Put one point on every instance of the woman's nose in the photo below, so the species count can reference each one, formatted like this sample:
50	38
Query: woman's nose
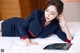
48	14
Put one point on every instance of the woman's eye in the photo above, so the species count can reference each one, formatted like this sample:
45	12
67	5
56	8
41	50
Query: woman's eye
52	14
46	10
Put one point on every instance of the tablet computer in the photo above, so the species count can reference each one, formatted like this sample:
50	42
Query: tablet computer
58	46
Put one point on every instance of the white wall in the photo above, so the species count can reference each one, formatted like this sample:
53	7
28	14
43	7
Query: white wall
71	10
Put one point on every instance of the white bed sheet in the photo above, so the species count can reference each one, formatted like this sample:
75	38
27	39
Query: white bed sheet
16	45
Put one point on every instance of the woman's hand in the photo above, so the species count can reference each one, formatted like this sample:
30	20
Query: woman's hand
33	43
29	42
62	20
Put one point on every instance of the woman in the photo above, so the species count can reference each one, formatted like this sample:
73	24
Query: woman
39	24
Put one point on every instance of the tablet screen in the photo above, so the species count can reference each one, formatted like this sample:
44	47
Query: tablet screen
58	46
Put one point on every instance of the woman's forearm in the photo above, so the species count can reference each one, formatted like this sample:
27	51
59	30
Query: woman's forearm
63	25
66	30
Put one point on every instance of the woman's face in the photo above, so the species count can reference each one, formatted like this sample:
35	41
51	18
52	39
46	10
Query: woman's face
50	13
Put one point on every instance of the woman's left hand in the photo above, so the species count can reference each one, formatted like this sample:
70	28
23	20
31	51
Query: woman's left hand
62	20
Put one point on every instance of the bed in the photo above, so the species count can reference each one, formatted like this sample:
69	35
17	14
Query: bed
17	45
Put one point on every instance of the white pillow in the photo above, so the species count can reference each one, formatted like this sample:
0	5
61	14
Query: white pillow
74	27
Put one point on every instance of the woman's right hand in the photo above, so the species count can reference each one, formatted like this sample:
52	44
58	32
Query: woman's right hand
33	43
29	42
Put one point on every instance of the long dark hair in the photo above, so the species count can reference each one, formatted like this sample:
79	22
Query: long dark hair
58	4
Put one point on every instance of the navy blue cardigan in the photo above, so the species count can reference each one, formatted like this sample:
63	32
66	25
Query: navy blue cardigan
33	26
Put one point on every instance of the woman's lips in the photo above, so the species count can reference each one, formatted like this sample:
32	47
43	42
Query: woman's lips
47	18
